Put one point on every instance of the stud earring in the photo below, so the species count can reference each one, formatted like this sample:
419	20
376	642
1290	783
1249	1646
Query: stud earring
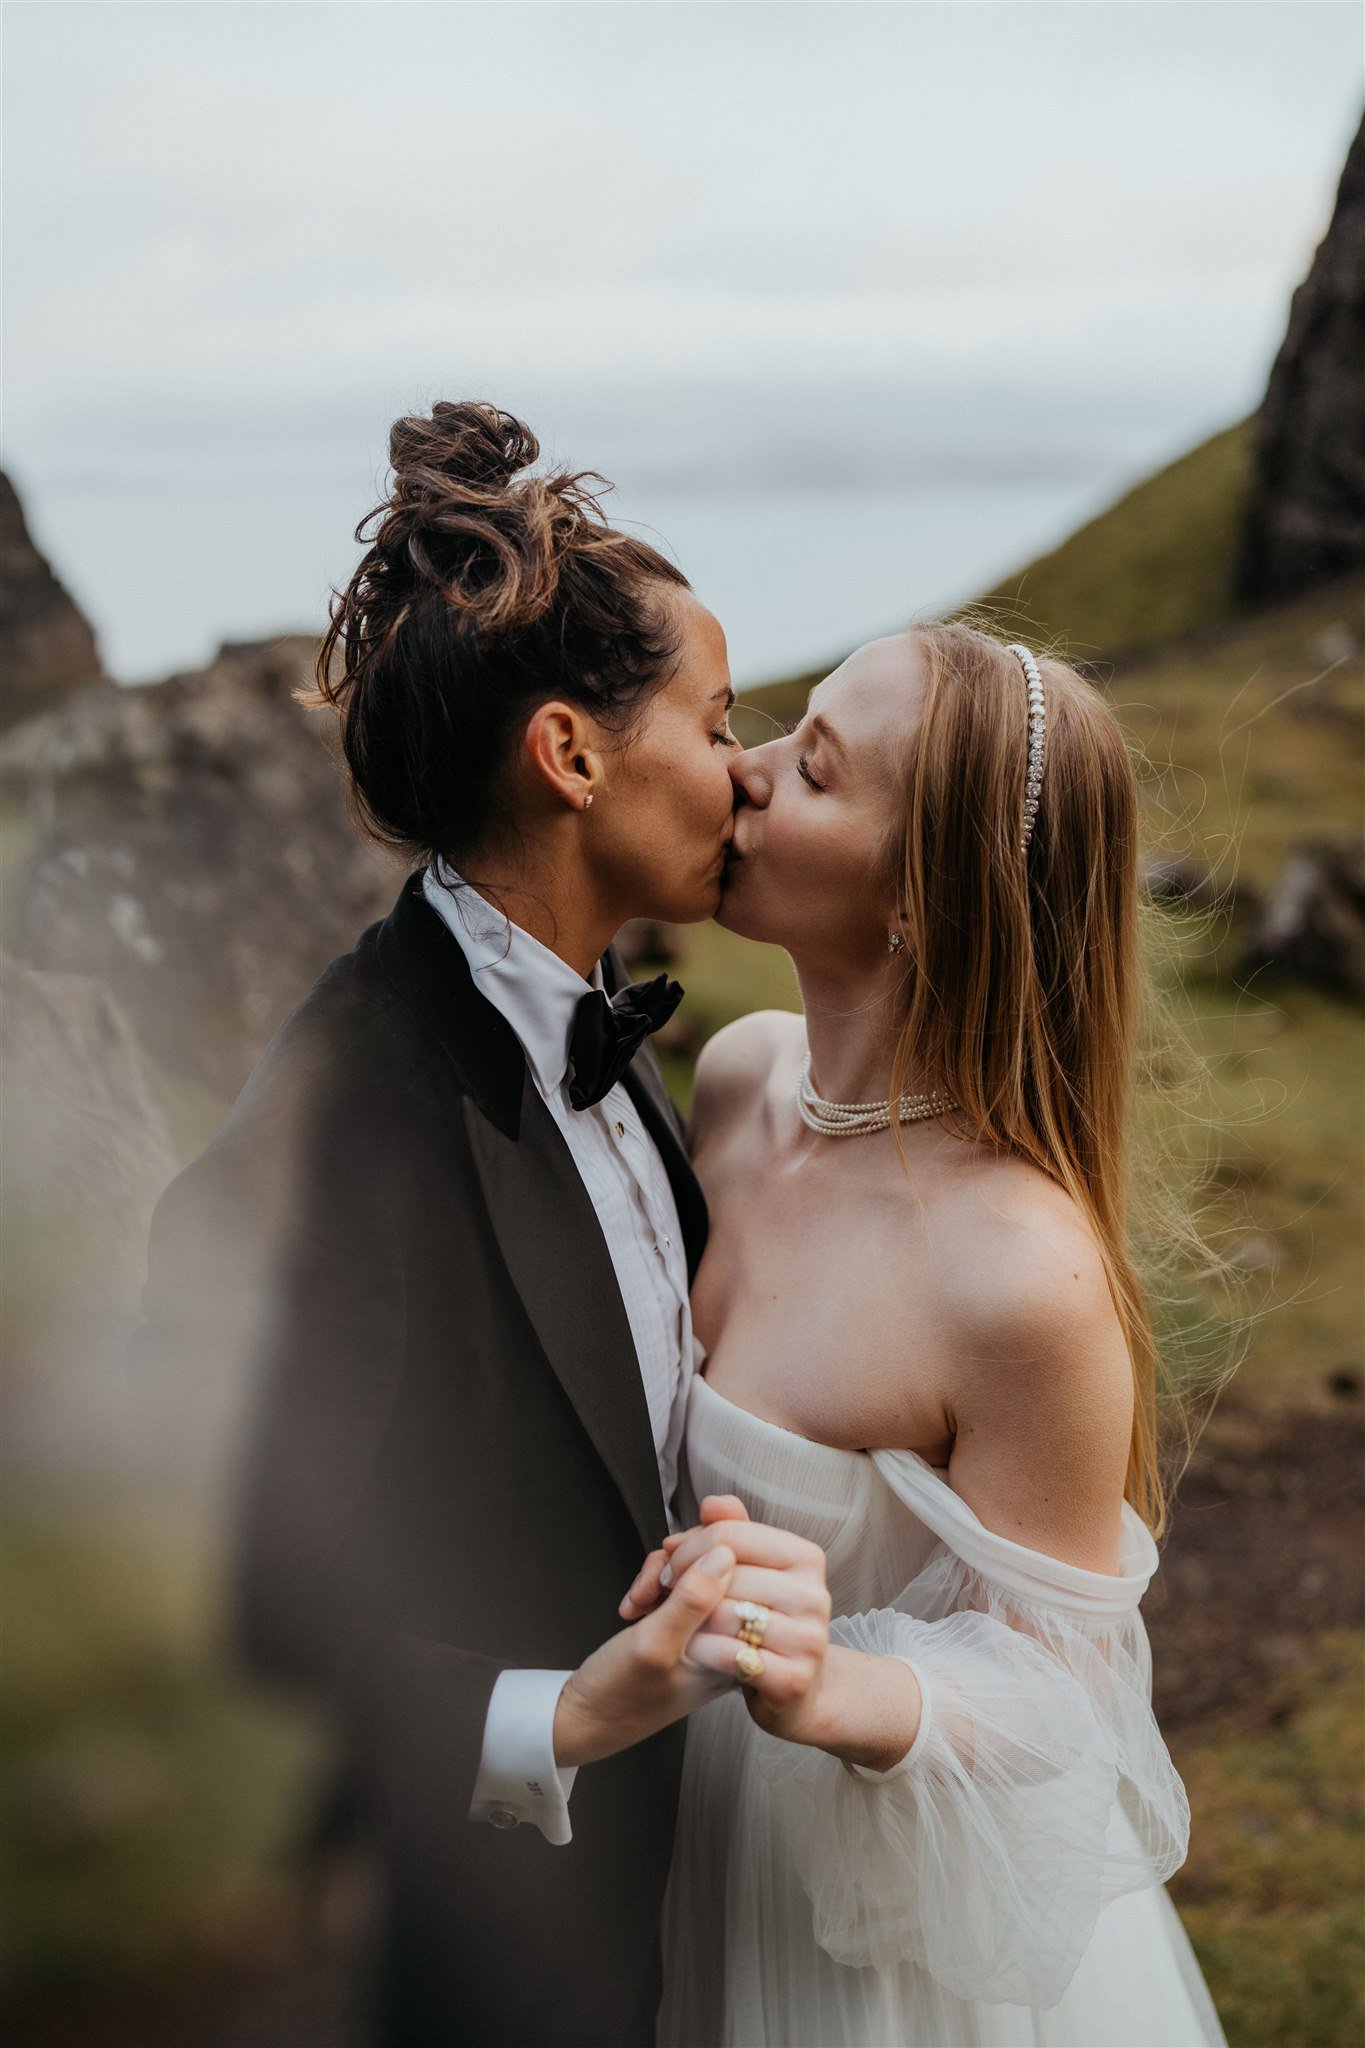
896	942
587	801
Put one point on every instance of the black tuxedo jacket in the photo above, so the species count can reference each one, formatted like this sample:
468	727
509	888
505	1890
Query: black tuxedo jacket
449	1467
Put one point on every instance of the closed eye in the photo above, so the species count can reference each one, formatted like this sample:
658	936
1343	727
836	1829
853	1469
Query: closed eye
724	738
803	770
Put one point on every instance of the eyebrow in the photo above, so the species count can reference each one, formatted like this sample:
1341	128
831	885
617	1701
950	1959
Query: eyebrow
827	732
727	697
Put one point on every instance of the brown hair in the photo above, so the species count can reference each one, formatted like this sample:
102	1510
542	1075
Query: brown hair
484	592
1028	984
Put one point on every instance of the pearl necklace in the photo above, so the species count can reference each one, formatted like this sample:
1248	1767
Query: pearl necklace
848	1119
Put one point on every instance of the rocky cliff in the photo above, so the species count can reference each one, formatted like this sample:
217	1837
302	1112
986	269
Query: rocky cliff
191	848
47	649
1305	519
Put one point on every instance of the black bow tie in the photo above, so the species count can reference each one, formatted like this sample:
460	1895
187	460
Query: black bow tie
608	1034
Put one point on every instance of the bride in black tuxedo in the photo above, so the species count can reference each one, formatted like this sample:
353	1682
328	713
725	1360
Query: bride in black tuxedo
449	1228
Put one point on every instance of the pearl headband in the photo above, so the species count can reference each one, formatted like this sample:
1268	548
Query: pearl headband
1037	735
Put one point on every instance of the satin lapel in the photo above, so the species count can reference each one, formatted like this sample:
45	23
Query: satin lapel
557	1257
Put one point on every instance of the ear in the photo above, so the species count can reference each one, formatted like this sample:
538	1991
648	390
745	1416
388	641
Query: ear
562	753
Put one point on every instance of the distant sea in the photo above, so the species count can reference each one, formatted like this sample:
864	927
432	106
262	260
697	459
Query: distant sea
797	578
800	579
803	542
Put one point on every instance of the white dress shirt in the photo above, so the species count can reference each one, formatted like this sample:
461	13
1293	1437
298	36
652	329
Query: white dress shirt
538	994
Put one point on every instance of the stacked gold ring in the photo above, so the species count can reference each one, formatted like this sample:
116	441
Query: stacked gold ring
753	1626
753	1621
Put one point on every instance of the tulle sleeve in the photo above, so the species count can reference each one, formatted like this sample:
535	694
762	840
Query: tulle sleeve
1037	1788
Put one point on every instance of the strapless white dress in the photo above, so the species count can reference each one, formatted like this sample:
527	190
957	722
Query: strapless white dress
1002	1884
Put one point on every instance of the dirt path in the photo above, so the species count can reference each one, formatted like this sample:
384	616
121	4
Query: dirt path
1264	1553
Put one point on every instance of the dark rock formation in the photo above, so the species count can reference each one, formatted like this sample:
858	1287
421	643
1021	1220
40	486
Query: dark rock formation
1306	513
46	647
193	850
1313	923
1179	879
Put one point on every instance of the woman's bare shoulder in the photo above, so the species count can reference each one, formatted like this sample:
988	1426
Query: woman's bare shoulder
735	1065
1031	1240
1042	1379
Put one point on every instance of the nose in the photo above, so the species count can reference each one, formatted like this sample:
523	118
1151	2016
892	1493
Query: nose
752	776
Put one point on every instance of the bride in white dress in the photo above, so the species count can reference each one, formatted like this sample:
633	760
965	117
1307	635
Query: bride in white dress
938	1810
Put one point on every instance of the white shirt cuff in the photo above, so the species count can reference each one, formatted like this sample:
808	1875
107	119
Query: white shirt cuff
518	1776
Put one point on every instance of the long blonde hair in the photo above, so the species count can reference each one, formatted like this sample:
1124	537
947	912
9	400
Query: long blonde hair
1027	989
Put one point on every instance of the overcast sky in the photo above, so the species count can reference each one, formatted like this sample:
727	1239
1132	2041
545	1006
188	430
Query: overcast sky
691	240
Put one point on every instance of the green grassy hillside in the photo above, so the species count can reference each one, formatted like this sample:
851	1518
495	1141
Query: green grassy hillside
1154	567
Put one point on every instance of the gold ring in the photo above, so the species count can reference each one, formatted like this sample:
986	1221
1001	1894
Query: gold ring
749	1663
753	1621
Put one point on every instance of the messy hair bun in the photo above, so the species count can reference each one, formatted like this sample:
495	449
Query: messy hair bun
485	591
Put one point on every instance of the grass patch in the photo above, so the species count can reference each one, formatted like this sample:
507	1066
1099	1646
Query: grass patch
145	1793
1286	1090
1256	738
1271	1894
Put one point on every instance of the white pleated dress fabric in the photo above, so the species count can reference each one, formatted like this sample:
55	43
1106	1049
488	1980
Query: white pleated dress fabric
1003	1883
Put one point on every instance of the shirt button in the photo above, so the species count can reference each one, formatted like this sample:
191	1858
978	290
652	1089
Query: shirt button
503	1817
620	1130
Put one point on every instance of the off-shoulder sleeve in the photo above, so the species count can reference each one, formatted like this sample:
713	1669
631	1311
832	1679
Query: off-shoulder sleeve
1037	1788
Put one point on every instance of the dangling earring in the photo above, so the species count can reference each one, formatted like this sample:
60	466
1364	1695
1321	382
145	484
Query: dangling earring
896	942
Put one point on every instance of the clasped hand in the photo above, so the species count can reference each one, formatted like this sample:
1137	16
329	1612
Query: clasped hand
785	1574
680	1652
